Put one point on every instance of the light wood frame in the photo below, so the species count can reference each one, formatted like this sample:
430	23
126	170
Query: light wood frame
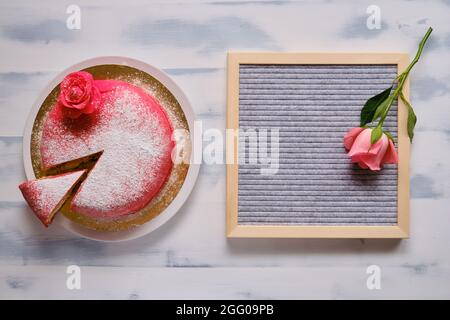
234	230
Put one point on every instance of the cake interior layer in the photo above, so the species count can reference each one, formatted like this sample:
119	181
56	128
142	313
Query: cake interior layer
68	195
83	163
86	163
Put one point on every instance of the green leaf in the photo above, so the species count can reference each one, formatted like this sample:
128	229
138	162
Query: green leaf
376	135
382	107
389	135
371	105
412	118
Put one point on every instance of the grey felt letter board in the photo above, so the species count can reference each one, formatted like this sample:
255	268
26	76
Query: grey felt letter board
306	103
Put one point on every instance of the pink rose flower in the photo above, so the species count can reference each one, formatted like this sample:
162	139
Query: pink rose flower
366	155
79	94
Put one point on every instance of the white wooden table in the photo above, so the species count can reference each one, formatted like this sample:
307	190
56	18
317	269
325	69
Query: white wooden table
190	257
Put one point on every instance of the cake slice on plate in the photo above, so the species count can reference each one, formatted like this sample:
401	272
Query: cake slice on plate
47	195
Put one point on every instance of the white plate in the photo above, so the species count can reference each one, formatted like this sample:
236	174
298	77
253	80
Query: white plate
189	181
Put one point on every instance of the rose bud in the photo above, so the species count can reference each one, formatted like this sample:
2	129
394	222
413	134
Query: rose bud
368	155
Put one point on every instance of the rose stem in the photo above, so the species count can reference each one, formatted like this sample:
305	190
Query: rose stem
402	78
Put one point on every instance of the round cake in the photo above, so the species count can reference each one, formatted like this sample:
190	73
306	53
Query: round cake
116	123
133	133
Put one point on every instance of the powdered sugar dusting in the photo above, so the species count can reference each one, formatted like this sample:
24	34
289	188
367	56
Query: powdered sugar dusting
165	100
134	134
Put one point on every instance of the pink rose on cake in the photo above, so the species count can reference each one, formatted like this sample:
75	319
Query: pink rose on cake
367	155
79	94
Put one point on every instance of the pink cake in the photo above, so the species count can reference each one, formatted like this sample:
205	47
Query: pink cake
46	196
131	129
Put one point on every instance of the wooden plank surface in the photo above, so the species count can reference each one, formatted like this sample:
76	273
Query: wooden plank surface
189	40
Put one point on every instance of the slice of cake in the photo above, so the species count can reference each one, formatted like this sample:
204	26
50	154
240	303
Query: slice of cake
47	195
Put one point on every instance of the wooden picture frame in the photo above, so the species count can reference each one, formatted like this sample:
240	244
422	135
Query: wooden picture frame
236	230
